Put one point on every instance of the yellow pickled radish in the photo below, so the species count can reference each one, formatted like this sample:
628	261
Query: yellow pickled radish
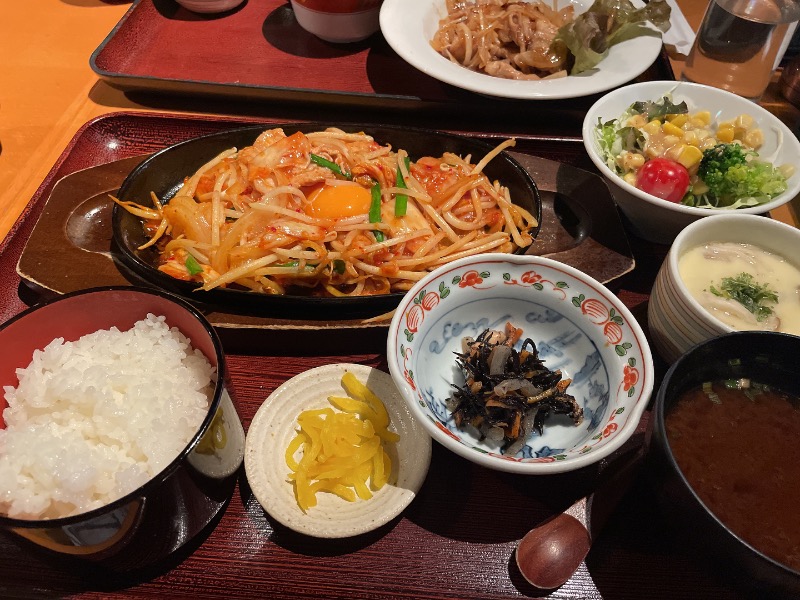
342	450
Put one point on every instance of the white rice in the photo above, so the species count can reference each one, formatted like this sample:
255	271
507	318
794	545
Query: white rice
92	420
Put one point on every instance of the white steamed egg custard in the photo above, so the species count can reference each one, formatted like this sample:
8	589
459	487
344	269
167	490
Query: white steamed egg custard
744	286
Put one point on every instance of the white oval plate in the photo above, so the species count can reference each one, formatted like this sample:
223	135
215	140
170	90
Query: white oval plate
409	26
274	425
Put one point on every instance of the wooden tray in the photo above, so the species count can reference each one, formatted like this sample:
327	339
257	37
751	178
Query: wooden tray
455	541
259	52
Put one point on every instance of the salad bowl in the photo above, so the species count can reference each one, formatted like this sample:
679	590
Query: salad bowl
658	220
578	326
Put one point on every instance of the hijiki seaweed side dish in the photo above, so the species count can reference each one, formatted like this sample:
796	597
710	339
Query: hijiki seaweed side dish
508	393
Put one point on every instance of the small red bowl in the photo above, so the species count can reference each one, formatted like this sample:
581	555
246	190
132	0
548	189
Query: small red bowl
338	21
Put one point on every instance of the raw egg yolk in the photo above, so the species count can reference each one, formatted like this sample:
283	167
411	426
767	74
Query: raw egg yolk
338	201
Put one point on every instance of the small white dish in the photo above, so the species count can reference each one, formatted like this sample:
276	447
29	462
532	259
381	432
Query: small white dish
274	426
409	27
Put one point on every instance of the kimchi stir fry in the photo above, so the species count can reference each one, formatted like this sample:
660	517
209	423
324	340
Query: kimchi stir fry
333	212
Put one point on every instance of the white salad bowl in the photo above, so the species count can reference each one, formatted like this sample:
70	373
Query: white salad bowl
658	220
578	326
677	321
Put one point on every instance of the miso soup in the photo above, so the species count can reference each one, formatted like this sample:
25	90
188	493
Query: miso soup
738	449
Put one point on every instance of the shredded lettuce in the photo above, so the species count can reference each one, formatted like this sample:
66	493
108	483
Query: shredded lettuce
615	136
607	22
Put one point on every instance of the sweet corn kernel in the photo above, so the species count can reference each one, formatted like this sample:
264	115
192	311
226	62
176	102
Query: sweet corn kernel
754	138
630	178
739	132
632	161
745	121
671	140
672	129
703	134
690	137
707	143
690	156
675	152
786	170
679	120
653	127
651	151
725	134
702	116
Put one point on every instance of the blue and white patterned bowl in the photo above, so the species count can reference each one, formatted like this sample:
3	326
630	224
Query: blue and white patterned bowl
577	324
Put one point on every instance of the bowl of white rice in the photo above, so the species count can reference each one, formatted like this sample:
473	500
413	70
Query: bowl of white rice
119	441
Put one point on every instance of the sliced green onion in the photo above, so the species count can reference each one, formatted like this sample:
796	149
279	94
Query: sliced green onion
324	162
379	237
401	201
291	263
338	266
193	266
375	205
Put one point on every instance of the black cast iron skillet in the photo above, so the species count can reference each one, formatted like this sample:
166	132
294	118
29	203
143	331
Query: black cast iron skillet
164	172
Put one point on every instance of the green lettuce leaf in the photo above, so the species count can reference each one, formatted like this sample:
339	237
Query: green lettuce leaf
657	110
607	22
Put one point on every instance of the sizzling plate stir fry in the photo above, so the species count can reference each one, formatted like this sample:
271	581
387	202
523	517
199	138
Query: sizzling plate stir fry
508	393
329	213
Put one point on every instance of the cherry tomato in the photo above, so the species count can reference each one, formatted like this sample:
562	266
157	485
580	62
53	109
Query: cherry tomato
663	178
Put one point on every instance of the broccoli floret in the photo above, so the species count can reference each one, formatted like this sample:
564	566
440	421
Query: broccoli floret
734	174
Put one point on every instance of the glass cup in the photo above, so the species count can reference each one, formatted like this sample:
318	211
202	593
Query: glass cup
738	44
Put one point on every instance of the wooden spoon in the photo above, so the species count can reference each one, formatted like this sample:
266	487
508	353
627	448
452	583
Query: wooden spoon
550	553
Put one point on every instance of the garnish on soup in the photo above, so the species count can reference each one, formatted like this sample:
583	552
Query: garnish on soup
744	286
754	296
